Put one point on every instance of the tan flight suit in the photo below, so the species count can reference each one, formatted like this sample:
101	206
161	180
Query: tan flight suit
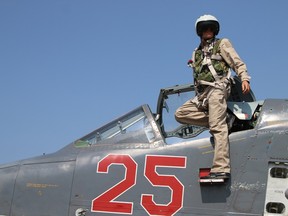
215	116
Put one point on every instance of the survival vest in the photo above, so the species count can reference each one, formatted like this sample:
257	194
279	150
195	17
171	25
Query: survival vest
209	70
204	58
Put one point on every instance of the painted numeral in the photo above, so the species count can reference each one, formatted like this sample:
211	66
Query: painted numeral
105	202
157	180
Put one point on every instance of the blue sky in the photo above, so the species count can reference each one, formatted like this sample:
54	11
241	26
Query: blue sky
68	67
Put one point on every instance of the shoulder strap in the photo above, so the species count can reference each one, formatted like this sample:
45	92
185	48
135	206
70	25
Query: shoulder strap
216	45
193	55
216	51
194	52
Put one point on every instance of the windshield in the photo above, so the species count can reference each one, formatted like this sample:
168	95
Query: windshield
133	127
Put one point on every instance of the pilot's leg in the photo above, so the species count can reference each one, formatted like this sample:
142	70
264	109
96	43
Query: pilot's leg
219	130
189	113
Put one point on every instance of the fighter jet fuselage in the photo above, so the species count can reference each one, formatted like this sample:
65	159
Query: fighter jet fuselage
145	163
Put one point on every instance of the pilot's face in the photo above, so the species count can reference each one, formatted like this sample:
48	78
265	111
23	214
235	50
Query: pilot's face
207	34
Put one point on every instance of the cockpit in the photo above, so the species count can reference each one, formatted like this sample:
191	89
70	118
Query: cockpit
243	108
143	126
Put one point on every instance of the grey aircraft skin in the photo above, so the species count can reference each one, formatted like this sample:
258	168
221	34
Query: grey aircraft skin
146	163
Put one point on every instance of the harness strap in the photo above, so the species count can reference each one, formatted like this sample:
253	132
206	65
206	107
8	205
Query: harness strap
217	84
211	68
216	57
201	99
193	55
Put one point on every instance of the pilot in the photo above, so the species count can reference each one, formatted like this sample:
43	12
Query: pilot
211	63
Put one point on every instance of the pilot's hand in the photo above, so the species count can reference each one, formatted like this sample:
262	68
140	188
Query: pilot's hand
245	87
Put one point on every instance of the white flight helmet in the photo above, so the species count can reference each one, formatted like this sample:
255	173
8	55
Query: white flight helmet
204	21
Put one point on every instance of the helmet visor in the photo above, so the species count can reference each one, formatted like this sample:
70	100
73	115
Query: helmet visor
204	26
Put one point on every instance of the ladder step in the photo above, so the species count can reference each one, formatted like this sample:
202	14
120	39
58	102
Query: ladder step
211	181
204	173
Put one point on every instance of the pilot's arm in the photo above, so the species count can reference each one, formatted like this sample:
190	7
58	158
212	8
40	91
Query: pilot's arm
234	61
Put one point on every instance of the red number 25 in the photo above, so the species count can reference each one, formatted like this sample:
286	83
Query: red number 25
105	202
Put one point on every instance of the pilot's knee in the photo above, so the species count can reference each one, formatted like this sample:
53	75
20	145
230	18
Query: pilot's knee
178	119
178	116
